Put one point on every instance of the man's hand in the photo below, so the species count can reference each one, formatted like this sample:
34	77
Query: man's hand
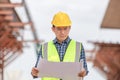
34	72
82	73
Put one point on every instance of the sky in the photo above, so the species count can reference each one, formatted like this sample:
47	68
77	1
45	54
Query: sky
86	17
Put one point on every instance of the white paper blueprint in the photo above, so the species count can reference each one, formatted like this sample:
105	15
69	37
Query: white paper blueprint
63	70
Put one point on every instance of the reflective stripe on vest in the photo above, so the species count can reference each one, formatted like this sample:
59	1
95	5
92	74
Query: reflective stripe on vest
72	53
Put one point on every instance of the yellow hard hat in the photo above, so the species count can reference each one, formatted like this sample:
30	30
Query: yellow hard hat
61	19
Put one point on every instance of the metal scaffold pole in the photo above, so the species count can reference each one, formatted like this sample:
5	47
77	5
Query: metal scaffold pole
32	27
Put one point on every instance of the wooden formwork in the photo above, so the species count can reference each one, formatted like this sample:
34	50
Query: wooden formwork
111	18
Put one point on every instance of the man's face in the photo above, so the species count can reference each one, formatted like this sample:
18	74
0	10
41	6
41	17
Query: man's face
61	32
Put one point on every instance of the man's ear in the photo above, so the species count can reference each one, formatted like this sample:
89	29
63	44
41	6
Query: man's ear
52	29
70	27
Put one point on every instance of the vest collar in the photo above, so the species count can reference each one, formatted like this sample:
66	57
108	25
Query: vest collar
67	40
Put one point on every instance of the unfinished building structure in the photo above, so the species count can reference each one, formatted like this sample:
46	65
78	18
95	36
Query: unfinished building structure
107	59
107	55
11	40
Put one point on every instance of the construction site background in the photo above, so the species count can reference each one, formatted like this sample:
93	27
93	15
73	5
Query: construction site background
25	24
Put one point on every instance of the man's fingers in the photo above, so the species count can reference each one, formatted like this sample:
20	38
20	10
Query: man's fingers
34	72
82	73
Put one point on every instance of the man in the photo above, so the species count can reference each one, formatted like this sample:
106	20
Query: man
62	48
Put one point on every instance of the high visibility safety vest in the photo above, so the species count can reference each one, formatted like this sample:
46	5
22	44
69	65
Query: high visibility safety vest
50	53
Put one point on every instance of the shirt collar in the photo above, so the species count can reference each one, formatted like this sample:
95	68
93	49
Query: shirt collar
65	41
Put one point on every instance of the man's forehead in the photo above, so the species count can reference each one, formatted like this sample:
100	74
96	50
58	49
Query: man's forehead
62	26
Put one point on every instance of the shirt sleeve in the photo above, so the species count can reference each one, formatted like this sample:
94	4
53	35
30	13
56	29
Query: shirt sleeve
39	56
83	57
